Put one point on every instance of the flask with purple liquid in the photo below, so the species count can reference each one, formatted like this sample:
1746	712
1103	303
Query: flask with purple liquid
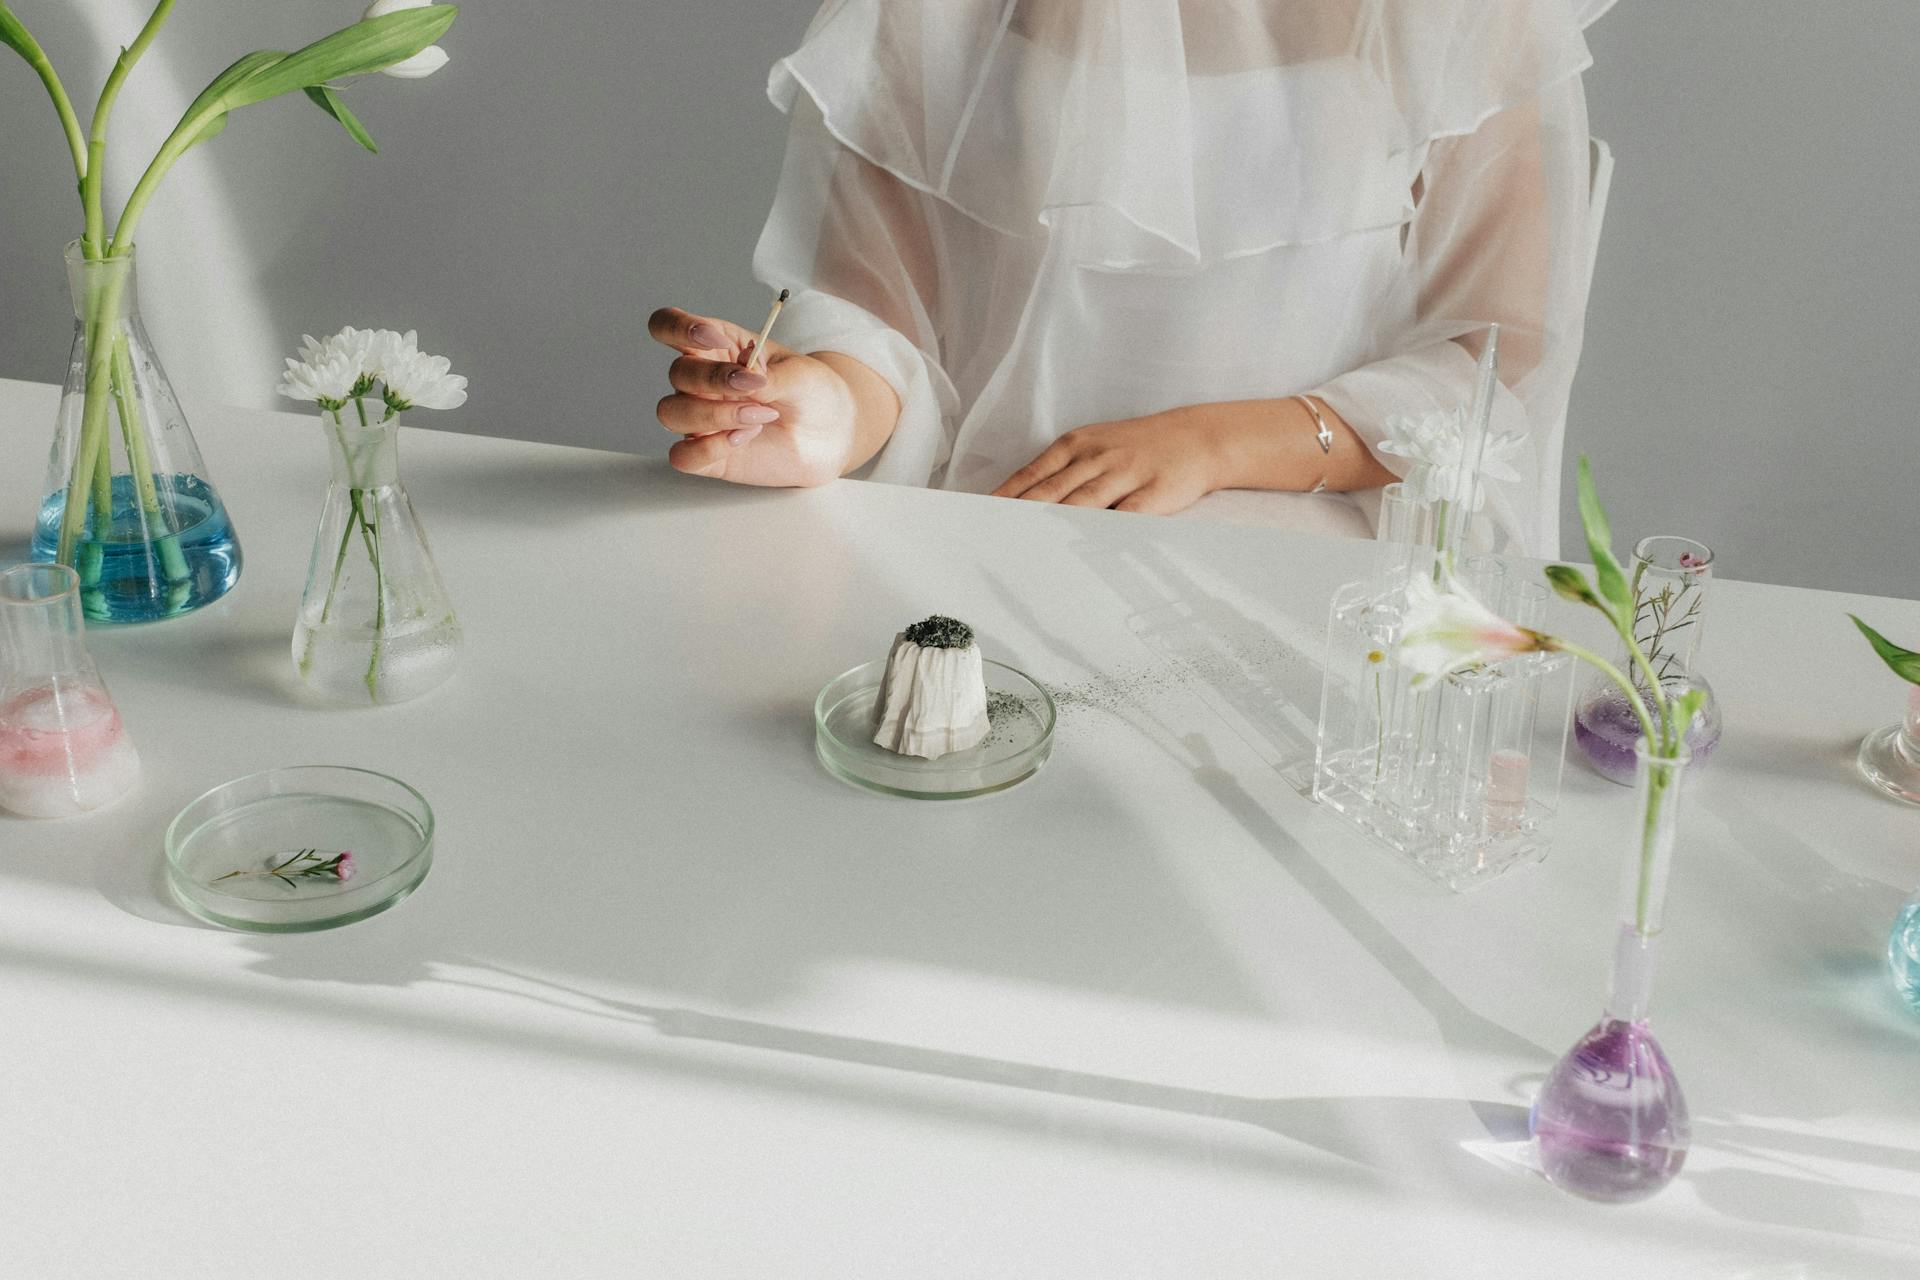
1669	577
1611	1122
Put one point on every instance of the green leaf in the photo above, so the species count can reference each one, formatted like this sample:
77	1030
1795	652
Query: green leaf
1571	584
1606	569
14	35
222	84
1905	663
329	101
364	47
1685	708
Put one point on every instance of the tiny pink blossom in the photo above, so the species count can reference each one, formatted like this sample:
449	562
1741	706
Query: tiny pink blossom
344	868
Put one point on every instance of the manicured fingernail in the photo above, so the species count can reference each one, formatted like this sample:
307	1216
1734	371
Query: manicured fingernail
707	336
757	414
741	436
746	380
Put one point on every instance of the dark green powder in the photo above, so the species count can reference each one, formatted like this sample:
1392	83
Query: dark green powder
940	632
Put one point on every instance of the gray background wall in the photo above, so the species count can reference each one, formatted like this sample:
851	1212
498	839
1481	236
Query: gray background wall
1751	375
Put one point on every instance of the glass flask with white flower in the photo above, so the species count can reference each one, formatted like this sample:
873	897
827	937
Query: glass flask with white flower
376	624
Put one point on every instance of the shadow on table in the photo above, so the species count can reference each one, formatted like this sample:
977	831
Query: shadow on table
493	486
1367	1143
1194	625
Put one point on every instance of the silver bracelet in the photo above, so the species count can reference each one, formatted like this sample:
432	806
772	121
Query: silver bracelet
1324	435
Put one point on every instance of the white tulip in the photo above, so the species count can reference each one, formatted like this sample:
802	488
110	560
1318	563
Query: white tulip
421	64
415	380
1448	631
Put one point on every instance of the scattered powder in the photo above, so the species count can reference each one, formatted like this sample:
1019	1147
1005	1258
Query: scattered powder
1251	663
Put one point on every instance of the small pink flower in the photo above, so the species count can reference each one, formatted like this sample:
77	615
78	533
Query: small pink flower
344	867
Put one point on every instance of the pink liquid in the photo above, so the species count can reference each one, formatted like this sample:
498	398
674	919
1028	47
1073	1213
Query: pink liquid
63	752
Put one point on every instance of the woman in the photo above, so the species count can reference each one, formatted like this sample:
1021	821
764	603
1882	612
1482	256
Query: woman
1128	253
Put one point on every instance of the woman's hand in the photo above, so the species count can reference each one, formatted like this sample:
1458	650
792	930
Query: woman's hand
791	423
1158	464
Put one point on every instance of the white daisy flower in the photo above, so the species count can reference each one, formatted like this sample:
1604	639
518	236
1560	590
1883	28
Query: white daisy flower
1436	444
415	380
326	377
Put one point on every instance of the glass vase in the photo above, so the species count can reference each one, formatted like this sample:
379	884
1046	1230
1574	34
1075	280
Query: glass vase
63	748
376	624
1903	953
127	502
1611	1121
1890	757
1669	577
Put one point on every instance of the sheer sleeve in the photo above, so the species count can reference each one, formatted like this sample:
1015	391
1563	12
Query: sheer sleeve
857	247
1502	232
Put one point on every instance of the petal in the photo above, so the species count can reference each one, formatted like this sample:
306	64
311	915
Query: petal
420	65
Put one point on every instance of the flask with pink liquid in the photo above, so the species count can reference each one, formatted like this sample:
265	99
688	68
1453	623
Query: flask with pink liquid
63	748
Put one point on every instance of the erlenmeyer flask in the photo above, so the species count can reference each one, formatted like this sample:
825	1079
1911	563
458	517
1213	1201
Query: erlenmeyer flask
144	528
63	749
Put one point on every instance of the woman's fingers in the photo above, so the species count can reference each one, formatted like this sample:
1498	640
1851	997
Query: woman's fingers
1051	460
1102	491
701	455
719	379
690	334
1064	481
1153	500
690	415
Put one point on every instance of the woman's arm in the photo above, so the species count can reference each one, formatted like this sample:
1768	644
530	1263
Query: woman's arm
1165	462
798	420
859	363
1500	234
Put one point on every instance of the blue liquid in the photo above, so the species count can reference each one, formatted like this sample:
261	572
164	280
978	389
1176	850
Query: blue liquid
1903	953
129	577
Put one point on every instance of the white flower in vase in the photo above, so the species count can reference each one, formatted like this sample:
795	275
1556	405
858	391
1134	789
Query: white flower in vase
415	380
421	64
322	374
1436	444
407	643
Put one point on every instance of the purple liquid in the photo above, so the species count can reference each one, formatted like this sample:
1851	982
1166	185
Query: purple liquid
1611	1123
1606	730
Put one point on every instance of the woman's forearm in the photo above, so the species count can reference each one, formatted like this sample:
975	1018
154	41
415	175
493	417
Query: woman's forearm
1272	444
875	407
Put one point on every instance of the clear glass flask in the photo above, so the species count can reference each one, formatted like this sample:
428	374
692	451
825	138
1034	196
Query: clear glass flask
144	528
1611	1122
1890	758
1669	577
63	748
376	624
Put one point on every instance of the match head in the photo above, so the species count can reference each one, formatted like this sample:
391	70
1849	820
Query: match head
785	294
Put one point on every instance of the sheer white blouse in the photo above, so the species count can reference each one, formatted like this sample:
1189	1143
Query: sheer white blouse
1031	215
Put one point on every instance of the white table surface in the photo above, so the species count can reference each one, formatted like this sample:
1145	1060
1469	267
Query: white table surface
674	1002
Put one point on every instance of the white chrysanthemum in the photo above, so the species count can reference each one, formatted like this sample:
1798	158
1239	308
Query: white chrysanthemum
421	64
357	345
1436	444
415	380
325	377
1449	630
389	350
